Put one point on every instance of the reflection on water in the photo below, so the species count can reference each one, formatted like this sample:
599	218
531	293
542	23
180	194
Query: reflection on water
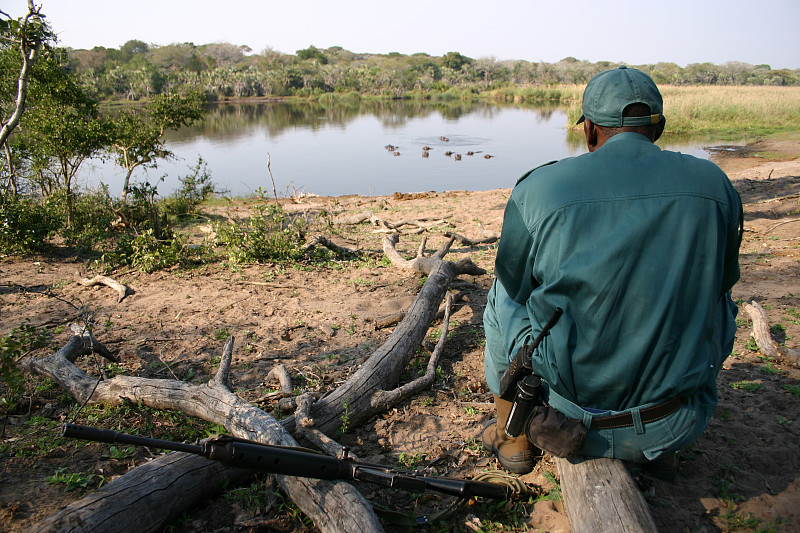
339	149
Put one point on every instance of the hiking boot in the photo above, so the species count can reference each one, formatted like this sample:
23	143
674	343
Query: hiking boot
664	467
516	454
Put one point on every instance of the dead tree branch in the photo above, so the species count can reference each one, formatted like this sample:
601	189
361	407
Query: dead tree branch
763	335
332	506
362	396
122	290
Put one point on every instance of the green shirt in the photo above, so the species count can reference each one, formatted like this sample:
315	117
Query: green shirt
639	247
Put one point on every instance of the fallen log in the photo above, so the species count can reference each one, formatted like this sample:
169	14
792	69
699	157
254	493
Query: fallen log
599	495
122	290
763	336
186	478
364	394
333	507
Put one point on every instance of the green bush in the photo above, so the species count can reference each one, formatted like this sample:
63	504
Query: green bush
25	225
147	253
94	213
269	234
12	347
195	188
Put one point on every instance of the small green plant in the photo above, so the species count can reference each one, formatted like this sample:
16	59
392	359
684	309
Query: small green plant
112	369
725	492
470	410
792	389
553	494
751	345
75	481
770	369
25	225
411	460
269	234
345	418
254	498
195	188
221	334
12	347
749	386
121	453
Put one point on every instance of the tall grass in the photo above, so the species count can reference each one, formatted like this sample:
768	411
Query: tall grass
724	112
536	93
731	111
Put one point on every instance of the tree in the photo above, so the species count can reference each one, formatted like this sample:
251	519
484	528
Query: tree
62	133
314	53
223	55
134	46
455	61
29	36
137	138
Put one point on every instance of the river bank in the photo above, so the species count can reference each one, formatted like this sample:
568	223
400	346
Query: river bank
322	322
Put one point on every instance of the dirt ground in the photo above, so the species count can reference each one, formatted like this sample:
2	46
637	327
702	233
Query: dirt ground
743	474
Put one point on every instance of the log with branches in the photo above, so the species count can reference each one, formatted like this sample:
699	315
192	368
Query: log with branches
333	506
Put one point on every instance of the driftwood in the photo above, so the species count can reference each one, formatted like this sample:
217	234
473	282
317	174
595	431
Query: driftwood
600	495
763	336
122	290
421	224
466	241
329	244
364	394
188	479
332	506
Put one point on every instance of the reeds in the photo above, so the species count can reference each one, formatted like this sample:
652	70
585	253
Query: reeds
724	111
731	111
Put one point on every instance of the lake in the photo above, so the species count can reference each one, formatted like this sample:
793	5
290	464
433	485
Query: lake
340	149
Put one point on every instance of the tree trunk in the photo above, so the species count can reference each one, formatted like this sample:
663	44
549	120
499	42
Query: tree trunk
600	495
158	490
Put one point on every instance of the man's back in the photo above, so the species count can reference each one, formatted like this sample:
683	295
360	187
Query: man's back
639	247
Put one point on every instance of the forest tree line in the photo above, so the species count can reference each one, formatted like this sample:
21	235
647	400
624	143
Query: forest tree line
222	70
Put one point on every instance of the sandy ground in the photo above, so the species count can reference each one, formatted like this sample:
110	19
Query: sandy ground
743	473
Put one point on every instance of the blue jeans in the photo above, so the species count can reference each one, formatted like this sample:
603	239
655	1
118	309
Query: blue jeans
638	443
641	442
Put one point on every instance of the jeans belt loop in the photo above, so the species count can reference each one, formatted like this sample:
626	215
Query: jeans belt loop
637	420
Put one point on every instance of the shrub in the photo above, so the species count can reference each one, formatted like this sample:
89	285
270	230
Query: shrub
93	215
147	253
195	188
25	225
269	234
12	347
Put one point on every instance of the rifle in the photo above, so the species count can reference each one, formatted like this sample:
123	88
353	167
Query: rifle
241	453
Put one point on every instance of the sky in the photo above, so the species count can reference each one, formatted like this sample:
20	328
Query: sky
620	31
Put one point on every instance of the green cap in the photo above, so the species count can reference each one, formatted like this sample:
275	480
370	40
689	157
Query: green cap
608	93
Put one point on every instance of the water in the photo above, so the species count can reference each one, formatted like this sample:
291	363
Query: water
339	150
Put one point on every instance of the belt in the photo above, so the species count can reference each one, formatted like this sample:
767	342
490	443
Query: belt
649	414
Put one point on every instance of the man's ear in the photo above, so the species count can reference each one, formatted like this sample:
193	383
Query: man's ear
659	128
590	130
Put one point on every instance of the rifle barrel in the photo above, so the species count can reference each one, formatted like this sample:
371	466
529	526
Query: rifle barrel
77	431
